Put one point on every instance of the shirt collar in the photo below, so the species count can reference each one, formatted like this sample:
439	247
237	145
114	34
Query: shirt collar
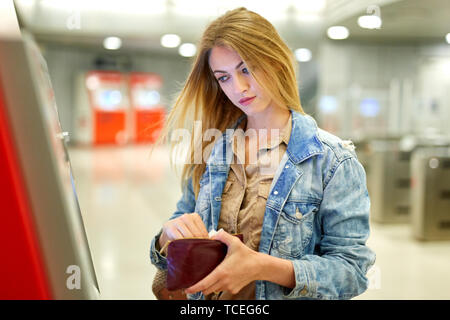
303	139
284	136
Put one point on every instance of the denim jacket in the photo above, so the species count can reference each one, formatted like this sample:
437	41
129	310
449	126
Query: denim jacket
317	213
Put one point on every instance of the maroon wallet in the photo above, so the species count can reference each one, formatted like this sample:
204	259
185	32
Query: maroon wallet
190	260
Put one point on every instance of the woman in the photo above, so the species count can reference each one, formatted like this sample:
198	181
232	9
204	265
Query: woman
297	193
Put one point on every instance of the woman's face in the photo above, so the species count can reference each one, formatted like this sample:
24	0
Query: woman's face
237	82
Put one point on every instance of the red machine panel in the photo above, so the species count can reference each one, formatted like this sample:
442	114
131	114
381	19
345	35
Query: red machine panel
22	270
148	112
108	100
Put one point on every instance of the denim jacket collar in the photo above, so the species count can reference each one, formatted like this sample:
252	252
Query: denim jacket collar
304	141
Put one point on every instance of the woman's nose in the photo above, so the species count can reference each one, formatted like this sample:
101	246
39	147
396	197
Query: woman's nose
240	84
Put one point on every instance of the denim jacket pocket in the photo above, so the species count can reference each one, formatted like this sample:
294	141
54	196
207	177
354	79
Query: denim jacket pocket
294	229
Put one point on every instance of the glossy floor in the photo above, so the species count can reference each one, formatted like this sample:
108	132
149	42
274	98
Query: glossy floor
126	195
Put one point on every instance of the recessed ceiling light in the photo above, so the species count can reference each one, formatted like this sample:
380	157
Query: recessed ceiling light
187	50
447	37
309	6
112	43
369	22
303	54
434	163
337	32
170	40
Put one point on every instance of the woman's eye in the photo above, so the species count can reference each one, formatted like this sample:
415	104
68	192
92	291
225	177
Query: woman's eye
245	70
223	78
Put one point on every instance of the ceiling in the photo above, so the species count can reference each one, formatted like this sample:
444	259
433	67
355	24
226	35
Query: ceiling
407	21
302	23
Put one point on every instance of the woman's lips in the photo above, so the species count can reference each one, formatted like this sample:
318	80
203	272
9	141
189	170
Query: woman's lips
246	101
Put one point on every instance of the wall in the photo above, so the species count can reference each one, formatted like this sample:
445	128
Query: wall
410	82
66	62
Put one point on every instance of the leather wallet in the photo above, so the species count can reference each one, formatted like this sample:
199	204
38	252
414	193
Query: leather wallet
189	260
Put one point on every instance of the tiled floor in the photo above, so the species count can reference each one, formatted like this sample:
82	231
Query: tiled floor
125	196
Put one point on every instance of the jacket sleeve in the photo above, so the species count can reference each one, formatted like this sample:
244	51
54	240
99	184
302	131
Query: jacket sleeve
185	205
339	270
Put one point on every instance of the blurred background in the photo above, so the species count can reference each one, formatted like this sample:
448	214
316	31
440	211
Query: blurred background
376	72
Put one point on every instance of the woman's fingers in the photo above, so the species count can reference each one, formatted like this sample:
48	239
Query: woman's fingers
199	225
184	229
193	225
207	285
173	233
215	288
189	225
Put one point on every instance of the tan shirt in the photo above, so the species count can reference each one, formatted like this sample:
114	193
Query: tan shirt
246	190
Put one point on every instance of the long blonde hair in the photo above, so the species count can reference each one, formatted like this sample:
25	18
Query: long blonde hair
201	99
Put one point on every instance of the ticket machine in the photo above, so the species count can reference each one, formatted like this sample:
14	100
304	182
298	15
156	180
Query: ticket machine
43	243
104	119
148	112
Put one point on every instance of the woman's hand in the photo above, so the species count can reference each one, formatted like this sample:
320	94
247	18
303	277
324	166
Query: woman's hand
239	268
189	225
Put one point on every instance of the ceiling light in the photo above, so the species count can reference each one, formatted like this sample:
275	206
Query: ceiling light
271	10
112	43
195	8
303	54
434	163
308	17
337	32
447	37
309	6
187	49
369	22
170	40
101	6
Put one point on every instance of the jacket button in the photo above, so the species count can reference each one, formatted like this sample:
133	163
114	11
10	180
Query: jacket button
298	214
304	291
275	192
287	166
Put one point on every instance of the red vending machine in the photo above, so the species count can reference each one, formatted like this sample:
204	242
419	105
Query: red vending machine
148	112
107	95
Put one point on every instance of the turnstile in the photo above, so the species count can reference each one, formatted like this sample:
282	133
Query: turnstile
430	193
389	181
363	152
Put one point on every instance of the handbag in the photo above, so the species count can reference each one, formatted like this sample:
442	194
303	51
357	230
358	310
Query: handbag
159	288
